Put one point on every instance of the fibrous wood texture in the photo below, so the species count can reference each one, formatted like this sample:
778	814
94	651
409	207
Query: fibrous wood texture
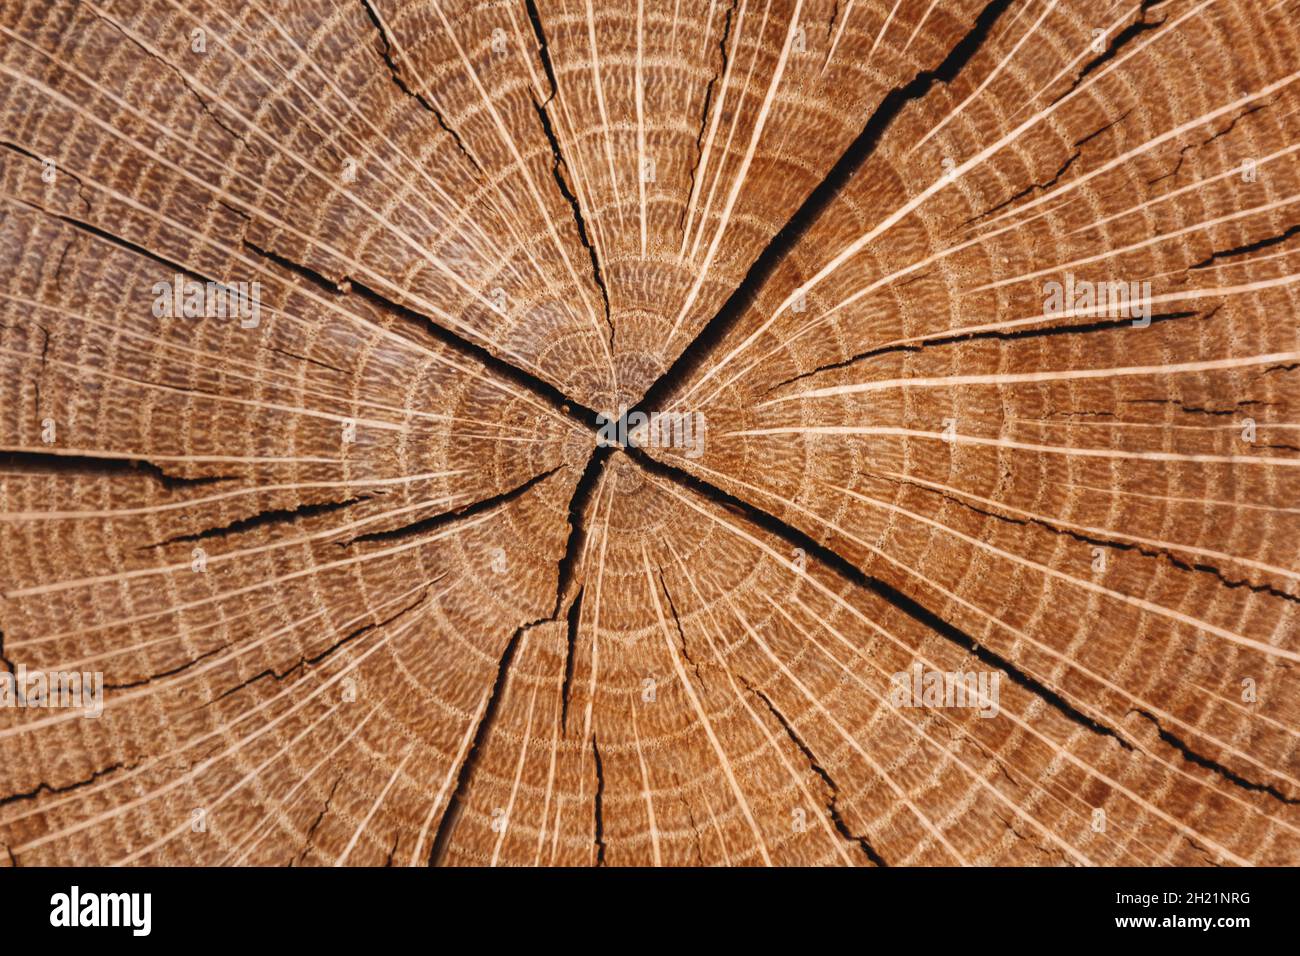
364	586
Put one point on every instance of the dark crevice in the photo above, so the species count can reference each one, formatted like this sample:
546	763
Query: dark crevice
455	806
185	81
841	827
1032	187
681	635
1213	765
851	573
434	522
1248	248
1102	129
261	520
567	571
179	668
302	358
43	463
304	663
311	831
572	199
1156	553
599	805
704	116
395	72
8	664
573	621
784	241
1101	325
41	788
505	370
566	575
1182	153
1122	39
570	196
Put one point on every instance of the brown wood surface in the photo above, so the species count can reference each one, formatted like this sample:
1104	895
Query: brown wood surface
439	624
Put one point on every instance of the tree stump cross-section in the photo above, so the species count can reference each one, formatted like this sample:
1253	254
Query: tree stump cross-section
646	432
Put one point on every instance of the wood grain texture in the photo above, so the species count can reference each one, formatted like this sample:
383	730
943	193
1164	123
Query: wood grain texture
364	584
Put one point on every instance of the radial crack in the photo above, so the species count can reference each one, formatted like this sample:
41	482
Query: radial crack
817	201
1213	765
851	573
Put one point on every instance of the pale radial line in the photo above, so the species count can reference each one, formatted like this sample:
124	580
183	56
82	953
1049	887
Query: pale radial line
57	586
1092	529
731	127
576	161
646	792
1058	423
943	751
231	791
706	151
960	439
852	741
1153	240
347	851
1049	375
550	784
942	254
1237	264
952	114
917	28
883	30
1190	295
1138	150
1179	500
739	179
1177	617
723	760
831	835
510	144
957	599
958	728
1208	293
451	773
722	841
600	105
871	624
948	179
519	774
267	823
194	772
1109	29
640	116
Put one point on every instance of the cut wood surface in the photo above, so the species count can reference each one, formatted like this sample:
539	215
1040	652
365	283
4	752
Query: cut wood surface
978	320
